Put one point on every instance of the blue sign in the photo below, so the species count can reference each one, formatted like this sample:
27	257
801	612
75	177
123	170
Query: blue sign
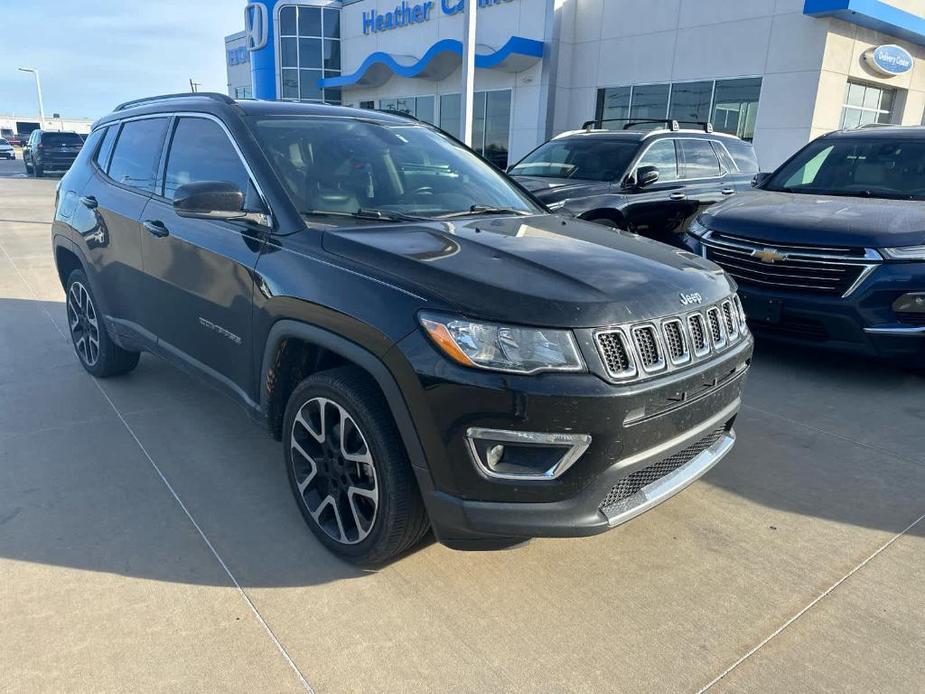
889	59
408	13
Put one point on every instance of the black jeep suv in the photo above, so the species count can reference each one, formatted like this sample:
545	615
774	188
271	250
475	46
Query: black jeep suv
48	150
433	348
652	181
829	250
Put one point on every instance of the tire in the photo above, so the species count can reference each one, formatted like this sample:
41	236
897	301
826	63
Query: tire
28	166
37	170
366	507
97	353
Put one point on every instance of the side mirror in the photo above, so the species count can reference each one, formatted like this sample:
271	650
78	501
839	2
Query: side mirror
760	179
646	176
209	200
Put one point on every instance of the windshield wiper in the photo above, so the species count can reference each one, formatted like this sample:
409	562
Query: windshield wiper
483	209
363	213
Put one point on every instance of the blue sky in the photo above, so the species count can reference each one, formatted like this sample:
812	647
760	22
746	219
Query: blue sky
97	53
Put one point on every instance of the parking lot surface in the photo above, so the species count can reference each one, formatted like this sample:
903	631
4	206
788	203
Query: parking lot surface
149	541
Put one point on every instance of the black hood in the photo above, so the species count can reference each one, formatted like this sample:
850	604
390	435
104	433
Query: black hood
820	220
550	190
542	270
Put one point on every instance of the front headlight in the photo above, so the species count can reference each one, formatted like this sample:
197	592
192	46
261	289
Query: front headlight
509	348
697	228
904	253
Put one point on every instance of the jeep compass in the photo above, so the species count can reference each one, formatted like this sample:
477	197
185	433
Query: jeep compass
433	348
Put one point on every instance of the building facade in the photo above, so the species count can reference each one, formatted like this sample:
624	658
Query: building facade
777	72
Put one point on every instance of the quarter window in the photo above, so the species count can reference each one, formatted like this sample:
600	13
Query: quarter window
699	159
201	151
109	139
138	151
662	155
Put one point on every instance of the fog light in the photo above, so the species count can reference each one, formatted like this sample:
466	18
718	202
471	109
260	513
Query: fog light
524	455
913	303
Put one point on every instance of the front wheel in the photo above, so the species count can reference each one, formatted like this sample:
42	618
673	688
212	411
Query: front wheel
98	354
348	468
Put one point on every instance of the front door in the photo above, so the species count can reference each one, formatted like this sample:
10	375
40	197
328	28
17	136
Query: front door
200	271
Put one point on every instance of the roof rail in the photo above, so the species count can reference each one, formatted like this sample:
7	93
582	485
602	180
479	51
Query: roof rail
629	123
224	98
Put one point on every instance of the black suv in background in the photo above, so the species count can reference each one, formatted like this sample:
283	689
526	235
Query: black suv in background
652	182
830	248
50	150
432	347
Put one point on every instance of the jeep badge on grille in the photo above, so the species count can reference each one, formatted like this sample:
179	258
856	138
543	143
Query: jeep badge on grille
689	299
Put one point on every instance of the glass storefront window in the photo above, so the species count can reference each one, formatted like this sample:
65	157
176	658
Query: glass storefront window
690	101
731	105
735	106
491	123
865	104
449	113
309	42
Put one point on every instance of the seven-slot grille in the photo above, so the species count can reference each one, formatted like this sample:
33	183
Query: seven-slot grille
640	349
818	270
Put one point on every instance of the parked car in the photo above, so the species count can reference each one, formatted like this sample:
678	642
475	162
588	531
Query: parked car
830	248
431	346
6	150
50	150
652	182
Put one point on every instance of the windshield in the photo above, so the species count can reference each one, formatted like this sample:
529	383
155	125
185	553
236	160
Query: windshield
592	159
873	168
58	139
349	166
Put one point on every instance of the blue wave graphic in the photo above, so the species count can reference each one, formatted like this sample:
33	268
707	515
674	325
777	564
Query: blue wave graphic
515	45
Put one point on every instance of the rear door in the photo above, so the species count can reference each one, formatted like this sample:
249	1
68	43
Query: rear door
200	271
656	209
110	204
706	179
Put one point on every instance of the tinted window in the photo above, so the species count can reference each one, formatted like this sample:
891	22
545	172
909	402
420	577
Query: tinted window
58	139
138	150
699	159
90	145
875	168
662	154
102	156
201	151
744	155
589	159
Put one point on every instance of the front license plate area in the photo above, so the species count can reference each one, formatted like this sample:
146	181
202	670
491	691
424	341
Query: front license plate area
761	309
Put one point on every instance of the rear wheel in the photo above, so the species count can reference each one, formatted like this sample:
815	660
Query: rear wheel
38	169
348	468
98	354
27	165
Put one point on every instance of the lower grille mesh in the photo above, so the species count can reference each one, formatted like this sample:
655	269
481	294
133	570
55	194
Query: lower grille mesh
631	484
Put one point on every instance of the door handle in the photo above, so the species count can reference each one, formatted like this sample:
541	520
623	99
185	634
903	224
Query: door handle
89	201
728	191
156	228
677	196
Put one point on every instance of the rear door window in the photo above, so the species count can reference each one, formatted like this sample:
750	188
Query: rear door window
137	153
699	159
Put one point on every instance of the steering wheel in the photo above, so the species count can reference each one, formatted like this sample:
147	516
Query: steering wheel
423	190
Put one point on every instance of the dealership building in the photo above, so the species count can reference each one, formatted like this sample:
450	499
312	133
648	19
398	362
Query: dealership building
778	72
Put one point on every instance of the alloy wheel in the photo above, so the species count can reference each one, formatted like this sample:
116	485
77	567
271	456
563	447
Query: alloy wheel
334	471
82	319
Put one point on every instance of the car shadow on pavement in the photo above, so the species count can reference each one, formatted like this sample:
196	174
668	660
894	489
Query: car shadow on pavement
81	462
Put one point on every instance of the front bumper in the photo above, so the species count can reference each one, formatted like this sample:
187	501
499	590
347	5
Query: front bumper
633	427
863	323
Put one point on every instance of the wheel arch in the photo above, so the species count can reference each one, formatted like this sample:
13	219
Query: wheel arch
294	350
608	213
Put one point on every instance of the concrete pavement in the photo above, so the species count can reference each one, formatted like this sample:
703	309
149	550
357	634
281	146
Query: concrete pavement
148	541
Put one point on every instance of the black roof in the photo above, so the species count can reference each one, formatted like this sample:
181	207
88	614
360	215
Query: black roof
206	102
881	132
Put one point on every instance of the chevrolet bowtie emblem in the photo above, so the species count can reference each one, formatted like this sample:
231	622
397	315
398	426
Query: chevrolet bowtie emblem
769	255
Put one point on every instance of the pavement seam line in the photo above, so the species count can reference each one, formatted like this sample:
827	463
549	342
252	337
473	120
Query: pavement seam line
835	434
173	493
808	607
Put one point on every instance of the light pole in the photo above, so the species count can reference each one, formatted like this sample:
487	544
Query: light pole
38	90
467	91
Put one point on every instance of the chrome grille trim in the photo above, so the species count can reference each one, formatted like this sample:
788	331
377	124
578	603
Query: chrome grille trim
649	349
816	269
635	351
